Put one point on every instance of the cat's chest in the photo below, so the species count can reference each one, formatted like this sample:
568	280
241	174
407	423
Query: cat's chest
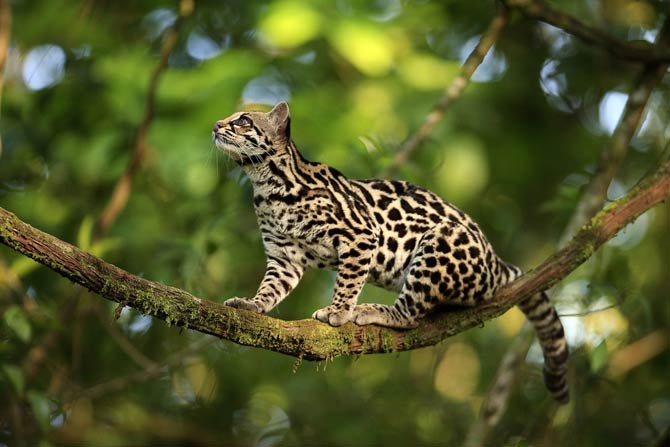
296	217
297	233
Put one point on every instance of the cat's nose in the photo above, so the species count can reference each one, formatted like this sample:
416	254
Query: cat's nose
217	125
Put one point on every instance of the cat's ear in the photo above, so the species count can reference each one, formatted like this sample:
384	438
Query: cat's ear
281	119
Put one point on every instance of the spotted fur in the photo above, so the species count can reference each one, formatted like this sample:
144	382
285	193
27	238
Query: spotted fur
391	233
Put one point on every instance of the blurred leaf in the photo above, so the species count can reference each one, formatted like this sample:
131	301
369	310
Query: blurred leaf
288	24
563	201
40	405
599	357
17	321
457	374
101	247
200	179
23	266
426	72
195	380
365	46
464	171
126	74
85	232
15	377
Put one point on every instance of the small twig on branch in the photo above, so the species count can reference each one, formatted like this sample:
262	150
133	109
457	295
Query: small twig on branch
310	339
122	189
633	51
589	312
452	93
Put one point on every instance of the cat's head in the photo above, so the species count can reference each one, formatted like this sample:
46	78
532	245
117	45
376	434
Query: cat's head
251	137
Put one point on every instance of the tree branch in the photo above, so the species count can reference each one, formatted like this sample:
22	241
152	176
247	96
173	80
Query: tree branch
452	93
633	51
121	193
310	339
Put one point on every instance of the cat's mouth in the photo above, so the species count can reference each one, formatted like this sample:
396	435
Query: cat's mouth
227	146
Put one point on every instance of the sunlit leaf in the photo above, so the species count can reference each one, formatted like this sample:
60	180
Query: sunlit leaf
365	46
85	232
457	374
426	72
289	24
465	170
599	357
200	179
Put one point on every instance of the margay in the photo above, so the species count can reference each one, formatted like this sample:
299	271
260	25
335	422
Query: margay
391	233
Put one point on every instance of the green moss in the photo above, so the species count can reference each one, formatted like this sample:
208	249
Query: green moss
411	339
587	251
388	341
370	338
105	288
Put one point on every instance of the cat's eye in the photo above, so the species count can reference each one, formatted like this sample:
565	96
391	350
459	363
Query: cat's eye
242	121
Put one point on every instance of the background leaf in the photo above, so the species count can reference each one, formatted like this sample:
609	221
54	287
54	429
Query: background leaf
17	321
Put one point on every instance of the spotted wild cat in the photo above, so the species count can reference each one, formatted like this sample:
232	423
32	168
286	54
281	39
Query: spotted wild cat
391	233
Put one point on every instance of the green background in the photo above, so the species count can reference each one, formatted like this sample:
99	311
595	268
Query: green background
360	76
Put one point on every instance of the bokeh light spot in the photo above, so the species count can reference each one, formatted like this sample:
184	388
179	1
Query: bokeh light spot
610	110
44	66
366	47
457	374
426	72
492	68
203	47
290	24
465	170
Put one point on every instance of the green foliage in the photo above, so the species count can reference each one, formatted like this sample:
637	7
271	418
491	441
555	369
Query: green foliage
39	403
13	374
16	321
361	76
599	357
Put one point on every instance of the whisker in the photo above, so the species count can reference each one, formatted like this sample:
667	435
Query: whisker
213	157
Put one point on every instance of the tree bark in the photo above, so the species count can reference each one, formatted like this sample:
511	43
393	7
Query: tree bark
310	339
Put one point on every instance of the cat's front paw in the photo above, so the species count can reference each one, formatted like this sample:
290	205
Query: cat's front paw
333	316
243	303
382	315
365	314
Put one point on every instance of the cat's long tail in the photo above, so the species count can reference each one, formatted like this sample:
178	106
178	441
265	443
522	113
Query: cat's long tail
542	315
544	319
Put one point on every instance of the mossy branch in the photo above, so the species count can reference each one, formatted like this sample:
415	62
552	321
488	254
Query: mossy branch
310	339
